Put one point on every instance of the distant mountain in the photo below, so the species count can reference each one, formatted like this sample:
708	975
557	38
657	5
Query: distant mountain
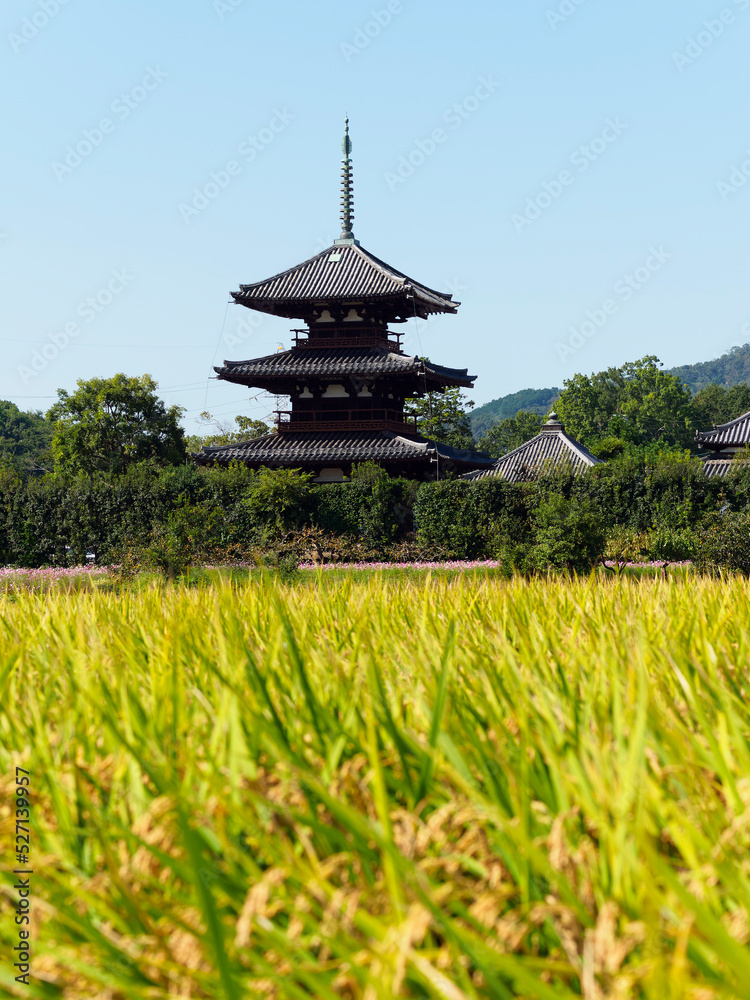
531	400
730	369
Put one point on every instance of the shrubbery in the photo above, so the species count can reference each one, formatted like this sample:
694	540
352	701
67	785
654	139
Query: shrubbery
724	543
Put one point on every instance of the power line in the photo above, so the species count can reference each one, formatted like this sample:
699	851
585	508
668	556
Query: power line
140	347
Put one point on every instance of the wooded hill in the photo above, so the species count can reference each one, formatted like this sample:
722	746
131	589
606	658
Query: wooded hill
528	400
732	368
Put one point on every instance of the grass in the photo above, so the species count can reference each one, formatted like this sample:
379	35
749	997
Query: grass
382	786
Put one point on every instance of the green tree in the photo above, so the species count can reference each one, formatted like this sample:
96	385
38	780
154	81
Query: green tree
637	403
442	417
510	434
246	429
109	424
25	439
716	404
568	534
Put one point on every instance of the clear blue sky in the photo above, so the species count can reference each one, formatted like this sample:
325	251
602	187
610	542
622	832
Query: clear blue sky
170	92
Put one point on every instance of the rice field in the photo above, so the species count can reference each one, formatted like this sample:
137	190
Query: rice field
371	787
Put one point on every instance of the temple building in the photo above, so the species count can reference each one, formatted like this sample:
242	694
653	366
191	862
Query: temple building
725	443
551	450
346	375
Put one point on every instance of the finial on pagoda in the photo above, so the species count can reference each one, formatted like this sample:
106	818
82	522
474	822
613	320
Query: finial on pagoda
347	191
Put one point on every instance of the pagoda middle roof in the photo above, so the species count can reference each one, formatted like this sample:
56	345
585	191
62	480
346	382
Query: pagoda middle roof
342	273
326	362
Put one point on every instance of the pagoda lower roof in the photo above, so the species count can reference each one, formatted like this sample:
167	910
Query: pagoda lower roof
344	273
733	434
335	448
346	362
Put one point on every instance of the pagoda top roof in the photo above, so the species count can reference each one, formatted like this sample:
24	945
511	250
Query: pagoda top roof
344	273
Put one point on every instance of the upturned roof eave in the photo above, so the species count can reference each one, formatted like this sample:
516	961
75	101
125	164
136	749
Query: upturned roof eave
337	447
347	361
712	438
289	307
433	300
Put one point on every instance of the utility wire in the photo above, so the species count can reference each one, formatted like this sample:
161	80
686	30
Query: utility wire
218	344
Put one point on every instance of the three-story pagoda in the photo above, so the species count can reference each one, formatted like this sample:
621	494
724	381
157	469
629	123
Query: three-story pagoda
346	375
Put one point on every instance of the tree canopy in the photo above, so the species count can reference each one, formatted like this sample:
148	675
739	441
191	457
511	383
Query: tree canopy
510	433
109	424
638	404
717	404
25	439
442	417
246	429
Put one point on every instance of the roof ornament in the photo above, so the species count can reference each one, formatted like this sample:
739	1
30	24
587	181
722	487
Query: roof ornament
347	192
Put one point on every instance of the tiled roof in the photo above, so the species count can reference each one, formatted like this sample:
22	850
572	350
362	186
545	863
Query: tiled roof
347	361
549	449
714	467
733	434
331	448
343	273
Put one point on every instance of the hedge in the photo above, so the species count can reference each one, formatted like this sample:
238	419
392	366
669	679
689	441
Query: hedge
54	520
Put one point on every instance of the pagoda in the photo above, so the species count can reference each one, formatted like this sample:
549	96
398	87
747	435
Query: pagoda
346	375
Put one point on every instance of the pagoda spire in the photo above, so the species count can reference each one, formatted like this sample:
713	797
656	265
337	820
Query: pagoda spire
347	191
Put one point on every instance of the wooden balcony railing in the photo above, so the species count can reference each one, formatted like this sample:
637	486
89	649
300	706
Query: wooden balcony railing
345	420
356	336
